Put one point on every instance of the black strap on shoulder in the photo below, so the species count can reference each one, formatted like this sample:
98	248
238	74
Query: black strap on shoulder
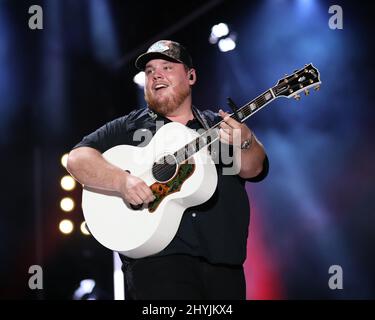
201	118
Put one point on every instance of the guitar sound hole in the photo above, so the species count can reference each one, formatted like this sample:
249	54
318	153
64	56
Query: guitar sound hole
165	168
136	207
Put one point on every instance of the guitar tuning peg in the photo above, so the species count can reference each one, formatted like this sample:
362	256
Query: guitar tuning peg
297	97
316	88
307	92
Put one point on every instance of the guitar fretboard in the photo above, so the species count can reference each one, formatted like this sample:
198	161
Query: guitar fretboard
212	134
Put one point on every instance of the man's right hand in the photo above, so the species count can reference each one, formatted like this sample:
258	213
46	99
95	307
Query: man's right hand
134	190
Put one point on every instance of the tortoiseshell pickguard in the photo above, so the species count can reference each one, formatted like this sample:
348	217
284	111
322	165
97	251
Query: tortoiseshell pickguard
162	190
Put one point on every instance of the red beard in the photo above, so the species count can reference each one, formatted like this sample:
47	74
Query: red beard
169	103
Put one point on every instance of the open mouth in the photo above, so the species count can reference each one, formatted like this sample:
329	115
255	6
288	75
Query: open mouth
160	86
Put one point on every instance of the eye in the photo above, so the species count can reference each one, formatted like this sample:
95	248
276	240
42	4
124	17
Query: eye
167	67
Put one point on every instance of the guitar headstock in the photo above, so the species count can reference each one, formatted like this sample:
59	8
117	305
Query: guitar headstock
300	80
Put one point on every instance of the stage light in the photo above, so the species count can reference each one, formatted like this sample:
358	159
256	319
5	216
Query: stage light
67	204
64	160
85	290
84	229
227	44
139	79
118	278
66	226
223	37
67	183
103	34
218	31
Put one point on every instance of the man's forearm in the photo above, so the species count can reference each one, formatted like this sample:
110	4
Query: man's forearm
252	160
88	167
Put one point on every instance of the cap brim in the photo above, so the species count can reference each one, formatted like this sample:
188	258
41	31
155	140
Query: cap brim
142	60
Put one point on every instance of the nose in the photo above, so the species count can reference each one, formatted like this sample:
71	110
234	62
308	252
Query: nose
157	74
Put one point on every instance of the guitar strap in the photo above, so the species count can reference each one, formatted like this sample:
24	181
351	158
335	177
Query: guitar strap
201	118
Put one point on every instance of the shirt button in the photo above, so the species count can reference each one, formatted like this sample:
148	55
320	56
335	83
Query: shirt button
193	214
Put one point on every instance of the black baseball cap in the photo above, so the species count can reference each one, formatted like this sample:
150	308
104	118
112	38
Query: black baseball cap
165	49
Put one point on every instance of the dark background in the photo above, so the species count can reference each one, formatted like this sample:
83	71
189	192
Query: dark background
314	210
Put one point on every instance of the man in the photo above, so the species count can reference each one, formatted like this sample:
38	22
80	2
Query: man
204	260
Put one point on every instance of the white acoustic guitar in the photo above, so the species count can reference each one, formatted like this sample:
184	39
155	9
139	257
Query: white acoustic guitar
177	166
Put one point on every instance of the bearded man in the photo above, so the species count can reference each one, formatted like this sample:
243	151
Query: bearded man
205	258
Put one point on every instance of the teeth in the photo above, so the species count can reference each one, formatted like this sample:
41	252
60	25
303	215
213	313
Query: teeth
158	86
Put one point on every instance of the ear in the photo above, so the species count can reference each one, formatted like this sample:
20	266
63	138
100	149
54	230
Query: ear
192	76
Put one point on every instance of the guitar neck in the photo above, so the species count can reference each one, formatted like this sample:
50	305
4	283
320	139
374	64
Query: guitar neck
254	105
212	134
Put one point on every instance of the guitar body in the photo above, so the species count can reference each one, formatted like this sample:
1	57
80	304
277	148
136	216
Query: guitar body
137	233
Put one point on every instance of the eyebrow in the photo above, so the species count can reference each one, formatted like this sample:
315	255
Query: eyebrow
151	66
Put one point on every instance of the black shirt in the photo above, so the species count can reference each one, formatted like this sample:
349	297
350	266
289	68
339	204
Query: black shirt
216	230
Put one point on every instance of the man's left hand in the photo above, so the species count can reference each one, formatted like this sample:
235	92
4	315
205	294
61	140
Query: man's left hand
232	131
